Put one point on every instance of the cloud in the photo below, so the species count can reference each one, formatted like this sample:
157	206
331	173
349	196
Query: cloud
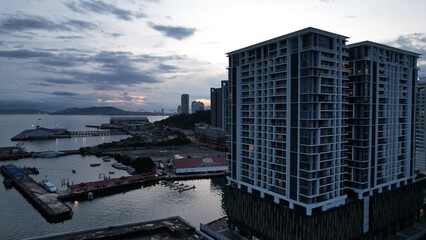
23	53
108	70
350	16
175	32
59	62
113	35
65	94
415	42
24	22
124	98
101	7
61	81
70	37
167	68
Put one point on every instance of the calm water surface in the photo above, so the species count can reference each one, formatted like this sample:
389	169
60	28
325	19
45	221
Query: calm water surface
18	219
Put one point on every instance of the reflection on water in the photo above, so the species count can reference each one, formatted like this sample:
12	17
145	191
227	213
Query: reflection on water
200	205
18	219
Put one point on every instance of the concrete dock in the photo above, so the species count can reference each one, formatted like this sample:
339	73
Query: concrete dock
167	228
114	185
46	203
107	186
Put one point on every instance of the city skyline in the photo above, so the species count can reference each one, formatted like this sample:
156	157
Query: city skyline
142	55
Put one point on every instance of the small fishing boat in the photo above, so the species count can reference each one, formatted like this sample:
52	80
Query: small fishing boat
111	172
95	164
106	159
73	171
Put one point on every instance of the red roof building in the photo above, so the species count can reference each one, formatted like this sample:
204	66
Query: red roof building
199	165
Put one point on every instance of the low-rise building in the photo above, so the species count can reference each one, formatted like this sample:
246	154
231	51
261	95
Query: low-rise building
200	165
211	135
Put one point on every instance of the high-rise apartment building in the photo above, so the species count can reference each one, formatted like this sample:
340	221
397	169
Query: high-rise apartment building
197	106
184	103
382	82
217	105
420	150
288	123
311	124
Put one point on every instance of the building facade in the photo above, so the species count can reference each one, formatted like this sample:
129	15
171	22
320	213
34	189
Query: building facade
217	105
321	132
210	135
420	150
382	82
184	103
197	106
287	119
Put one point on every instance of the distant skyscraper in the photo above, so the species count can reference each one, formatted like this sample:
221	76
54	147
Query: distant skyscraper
179	110
420	154
184	103
217	106
307	128
197	106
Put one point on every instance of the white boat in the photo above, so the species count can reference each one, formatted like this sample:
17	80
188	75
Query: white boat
120	166
49	154
50	187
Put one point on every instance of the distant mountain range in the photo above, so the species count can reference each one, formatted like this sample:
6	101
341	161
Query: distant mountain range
22	111
80	111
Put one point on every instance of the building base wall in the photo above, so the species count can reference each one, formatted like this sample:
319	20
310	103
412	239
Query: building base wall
389	212
264	219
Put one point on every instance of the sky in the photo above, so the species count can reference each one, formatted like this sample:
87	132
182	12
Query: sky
141	55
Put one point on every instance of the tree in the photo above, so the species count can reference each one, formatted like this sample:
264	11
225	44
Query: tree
143	164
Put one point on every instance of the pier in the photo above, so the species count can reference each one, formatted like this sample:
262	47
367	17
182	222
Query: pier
180	187
167	228
46	203
81	191
109	186
95	133
47	133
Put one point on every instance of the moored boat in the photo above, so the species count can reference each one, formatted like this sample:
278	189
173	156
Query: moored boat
95	164
50	187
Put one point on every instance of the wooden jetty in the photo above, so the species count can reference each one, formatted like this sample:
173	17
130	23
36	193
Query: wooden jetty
180	187
46	203
80	191
192	176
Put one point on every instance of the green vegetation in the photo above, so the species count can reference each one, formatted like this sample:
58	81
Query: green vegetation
140	164
136	141
186	121
143	164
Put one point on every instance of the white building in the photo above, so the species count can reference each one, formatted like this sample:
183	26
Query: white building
420	152
287	124
200	165
382	82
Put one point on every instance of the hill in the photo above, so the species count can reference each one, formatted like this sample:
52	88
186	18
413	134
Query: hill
99	111
186	121
22	111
